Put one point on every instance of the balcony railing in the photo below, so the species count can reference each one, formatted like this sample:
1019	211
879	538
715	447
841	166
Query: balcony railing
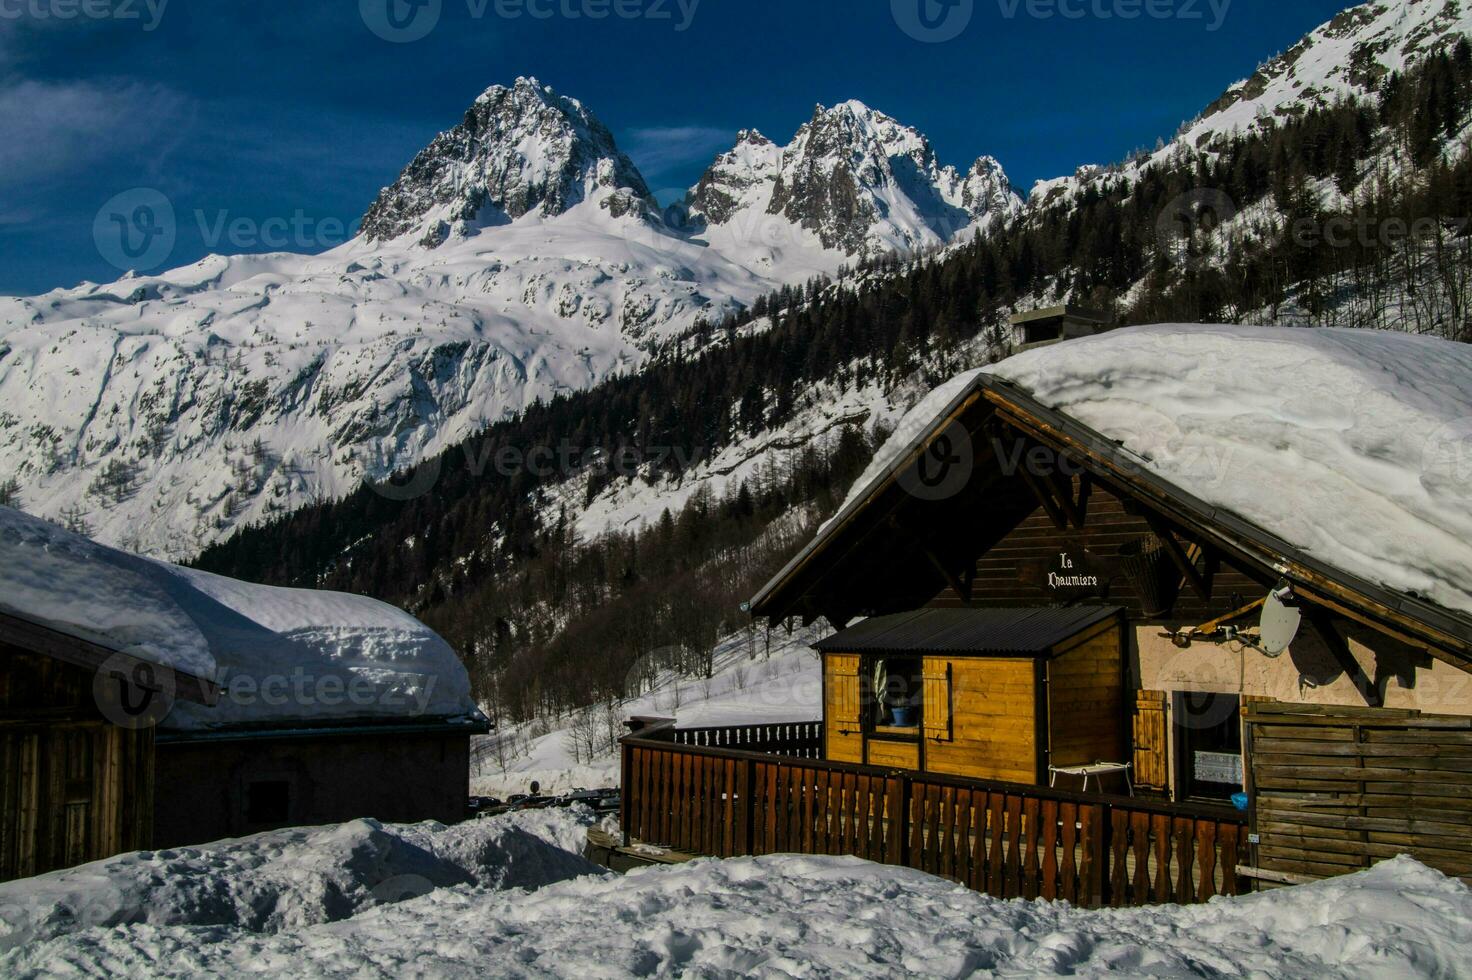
1012	841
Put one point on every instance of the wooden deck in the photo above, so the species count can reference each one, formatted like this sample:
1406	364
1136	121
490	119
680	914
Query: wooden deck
1004	839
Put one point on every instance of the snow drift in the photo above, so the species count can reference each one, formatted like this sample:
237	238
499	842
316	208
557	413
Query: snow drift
772	916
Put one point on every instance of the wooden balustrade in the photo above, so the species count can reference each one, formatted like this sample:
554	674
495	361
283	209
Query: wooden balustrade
803	739
1011	841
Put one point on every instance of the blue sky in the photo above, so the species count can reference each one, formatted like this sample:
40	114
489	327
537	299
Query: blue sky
242	111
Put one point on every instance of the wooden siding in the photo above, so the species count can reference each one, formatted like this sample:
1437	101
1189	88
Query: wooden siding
1086	703
842	691
73	787
1335	790
893	755
993	725
1000	572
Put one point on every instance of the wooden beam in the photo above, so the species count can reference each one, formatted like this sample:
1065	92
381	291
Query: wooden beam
1343	656
1063	486
1178	555
1044	498
959	584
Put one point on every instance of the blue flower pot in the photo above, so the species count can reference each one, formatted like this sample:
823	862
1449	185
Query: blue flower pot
903	717
1239	800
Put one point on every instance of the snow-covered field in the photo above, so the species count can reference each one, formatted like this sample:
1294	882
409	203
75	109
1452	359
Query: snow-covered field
751	684
506	897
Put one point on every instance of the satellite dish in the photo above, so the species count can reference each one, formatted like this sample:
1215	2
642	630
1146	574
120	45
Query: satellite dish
1280	622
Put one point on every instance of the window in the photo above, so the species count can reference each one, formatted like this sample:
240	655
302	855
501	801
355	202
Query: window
268	802
896	688
1208	745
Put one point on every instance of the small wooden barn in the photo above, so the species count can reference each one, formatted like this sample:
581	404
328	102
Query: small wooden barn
1059	672
146	706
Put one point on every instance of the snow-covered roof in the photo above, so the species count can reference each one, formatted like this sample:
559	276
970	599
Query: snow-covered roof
1354	446
280	656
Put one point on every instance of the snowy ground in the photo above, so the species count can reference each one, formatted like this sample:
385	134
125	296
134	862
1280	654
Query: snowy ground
751	684
344	901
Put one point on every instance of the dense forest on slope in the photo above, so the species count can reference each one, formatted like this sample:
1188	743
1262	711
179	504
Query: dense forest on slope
1352	215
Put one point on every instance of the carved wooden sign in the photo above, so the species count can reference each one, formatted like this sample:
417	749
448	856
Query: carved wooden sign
1070	574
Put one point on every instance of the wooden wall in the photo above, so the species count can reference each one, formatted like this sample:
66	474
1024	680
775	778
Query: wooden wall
993	719
1336	789
73	787
843	739
1003	578
1086	702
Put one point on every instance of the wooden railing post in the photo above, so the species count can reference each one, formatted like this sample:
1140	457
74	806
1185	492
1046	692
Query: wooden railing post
1095	855
746	812
626	791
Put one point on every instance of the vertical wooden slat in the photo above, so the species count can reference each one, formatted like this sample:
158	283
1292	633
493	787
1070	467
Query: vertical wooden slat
1160	827
769	817
1068	889
1205	859
1229	835
994	852
1140	831
1096	857
894	817
1030	851
1048	836
963	836
948	832
1013	877
1185	854
1119	847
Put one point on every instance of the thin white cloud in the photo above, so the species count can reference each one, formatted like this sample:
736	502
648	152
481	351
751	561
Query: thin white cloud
56	130
659	149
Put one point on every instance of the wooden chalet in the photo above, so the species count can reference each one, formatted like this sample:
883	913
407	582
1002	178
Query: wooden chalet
1055	686
108	745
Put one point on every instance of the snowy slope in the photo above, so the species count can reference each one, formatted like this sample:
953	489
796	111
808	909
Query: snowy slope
1343	57
758	678
516	257
777	915
233	632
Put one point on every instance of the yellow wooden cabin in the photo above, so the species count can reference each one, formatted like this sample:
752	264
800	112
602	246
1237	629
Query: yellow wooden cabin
1009	694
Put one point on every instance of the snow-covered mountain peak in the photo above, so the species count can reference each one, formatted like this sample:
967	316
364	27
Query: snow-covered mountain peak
853	183
520	149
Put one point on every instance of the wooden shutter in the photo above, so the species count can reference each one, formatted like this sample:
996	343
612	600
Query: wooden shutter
843	692
1151	752
936	707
